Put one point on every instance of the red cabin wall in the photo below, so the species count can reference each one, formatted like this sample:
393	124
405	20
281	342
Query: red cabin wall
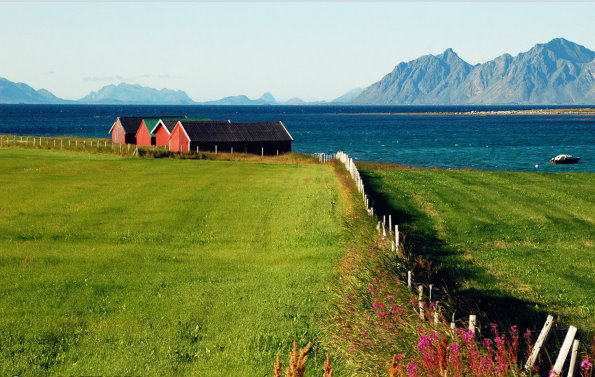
118	135
178	142
143	137
161	136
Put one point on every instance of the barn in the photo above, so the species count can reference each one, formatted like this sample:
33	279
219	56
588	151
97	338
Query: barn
124	129
268	138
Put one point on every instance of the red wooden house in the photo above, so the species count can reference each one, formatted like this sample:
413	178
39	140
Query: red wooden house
143	134
163	130
125	129
257	137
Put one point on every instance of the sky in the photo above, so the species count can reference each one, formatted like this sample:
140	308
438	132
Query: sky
310	50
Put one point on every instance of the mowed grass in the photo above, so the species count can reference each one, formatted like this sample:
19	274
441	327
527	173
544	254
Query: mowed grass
516	244
127	266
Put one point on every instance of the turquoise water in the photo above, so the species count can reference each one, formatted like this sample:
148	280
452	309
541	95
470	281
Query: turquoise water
515	143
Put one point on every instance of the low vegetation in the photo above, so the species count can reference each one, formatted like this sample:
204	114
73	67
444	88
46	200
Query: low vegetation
131	266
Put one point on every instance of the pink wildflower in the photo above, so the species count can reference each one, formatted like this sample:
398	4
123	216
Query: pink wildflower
424	342
487	343
374	305
371	288
412	370
527	334
586	365
513	329
381	314
400	356
389	298
494	328
468	336
364	332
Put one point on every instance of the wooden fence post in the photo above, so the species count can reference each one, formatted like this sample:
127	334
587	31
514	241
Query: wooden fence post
472	322
409	278
543	335
397	236
420	304
430	292
390	223
215	149
564	350
261	151
573	356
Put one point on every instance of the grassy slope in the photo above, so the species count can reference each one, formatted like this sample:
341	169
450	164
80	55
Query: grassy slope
510	241
153	267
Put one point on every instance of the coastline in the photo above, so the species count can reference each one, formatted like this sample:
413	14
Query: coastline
568	111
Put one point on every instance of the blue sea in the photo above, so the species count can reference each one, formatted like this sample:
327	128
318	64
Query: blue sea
368	133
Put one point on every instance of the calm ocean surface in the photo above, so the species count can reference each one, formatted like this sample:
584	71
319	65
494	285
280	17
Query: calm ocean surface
514	143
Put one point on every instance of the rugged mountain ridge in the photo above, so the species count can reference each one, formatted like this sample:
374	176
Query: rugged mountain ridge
18	92
557	72
137	94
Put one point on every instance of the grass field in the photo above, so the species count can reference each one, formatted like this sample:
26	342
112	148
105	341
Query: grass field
516	244
127	266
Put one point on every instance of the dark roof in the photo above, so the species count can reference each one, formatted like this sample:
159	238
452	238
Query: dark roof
131	124
170	124
236	132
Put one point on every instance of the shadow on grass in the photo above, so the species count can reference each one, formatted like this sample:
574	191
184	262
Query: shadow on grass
452	271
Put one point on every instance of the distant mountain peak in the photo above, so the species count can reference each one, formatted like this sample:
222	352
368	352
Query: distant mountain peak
18	92
449	51
137	94
268	98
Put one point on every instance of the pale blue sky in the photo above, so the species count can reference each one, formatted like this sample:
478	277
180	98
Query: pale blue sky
307	50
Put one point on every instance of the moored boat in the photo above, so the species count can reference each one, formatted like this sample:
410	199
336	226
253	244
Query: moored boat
564	159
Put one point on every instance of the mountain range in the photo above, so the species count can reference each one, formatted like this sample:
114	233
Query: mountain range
557	72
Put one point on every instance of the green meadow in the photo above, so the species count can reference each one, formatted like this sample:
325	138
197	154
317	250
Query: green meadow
128	266
513	245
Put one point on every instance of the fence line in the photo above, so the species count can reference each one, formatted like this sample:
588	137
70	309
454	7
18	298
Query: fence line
381	226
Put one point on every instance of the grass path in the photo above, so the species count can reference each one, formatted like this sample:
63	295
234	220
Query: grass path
511	242
120	266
